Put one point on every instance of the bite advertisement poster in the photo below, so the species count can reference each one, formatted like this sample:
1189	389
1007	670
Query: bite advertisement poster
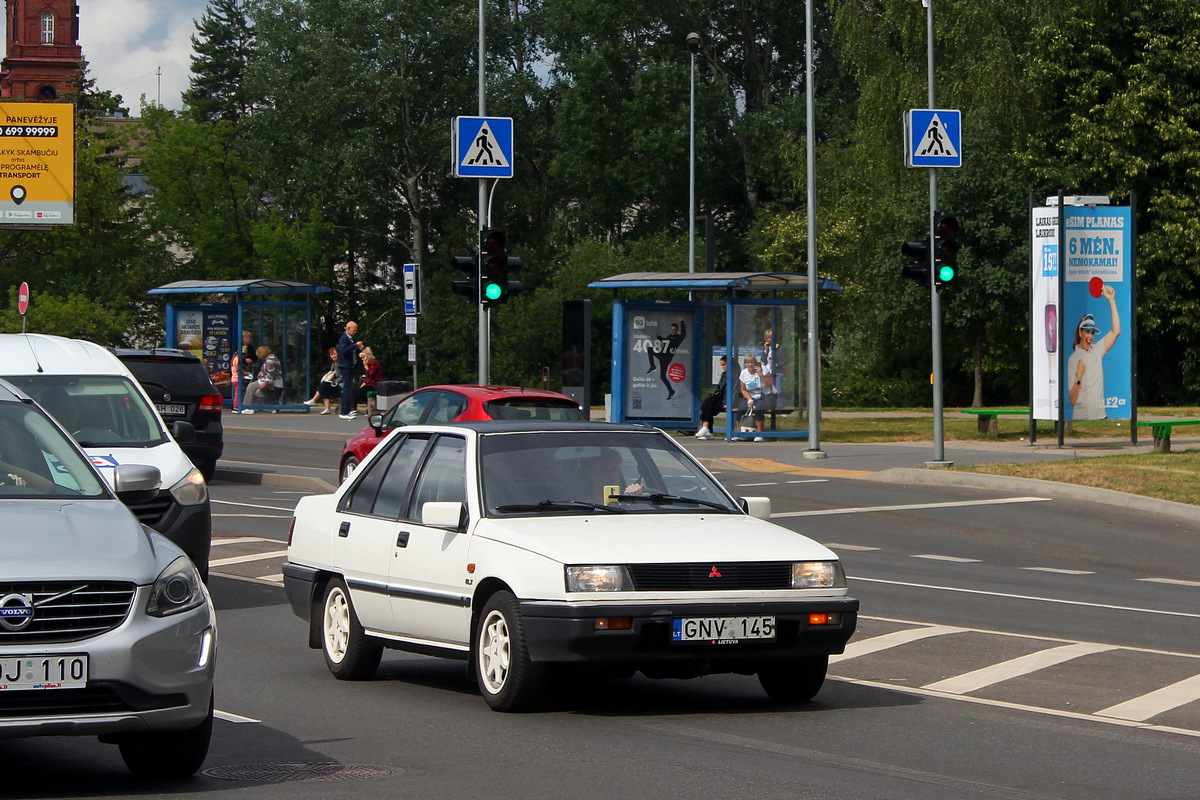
660	360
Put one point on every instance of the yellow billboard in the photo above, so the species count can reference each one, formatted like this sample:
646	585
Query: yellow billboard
37	164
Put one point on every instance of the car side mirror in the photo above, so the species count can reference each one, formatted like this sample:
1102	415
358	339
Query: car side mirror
136	483
757	507
451	516
183	431
376	422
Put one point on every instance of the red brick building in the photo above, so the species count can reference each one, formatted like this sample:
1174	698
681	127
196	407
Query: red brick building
42	49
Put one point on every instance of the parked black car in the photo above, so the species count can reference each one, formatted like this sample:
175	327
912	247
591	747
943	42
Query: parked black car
180	387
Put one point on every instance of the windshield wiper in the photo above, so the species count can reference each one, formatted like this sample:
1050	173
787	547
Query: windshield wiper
670	499
547	505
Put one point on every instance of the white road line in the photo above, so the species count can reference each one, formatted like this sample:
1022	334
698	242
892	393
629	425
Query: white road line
910	507
1057	571
224	562
271	578
1031	598
744	485
1140	709
1016	667
254	505
836	546
235	718
252	516
238	540
887	641
1170	581
812	480
952	559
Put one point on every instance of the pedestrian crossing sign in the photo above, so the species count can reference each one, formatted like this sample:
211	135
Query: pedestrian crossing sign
482	147
932	137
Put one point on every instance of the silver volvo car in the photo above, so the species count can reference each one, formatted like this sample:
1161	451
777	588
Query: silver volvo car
106	628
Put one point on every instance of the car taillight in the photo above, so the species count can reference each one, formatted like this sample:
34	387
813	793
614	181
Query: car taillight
212	402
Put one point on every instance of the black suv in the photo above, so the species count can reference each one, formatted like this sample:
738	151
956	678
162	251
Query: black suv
181	389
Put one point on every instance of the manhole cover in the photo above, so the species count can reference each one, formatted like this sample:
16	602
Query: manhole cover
309	771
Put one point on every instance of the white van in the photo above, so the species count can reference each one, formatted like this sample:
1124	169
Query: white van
95	397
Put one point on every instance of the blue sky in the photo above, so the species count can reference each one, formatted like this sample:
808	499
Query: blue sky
126	42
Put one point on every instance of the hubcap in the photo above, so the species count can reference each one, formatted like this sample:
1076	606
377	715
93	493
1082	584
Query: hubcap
494	651
337	625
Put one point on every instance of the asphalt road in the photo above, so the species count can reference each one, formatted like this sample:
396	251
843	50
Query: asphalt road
1011	645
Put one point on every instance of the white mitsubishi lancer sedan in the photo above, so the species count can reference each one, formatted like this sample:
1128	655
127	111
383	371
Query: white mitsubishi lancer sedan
525	547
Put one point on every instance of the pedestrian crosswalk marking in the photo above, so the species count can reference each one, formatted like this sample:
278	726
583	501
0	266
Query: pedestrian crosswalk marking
485	151
887	641
1140	709
1016	667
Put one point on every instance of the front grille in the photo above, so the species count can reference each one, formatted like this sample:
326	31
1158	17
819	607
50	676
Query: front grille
152	512
710	577
67	611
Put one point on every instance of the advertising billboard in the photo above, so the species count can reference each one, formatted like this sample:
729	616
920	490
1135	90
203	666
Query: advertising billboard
37	164
1082	316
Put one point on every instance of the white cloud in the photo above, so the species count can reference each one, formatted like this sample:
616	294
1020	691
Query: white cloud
127	42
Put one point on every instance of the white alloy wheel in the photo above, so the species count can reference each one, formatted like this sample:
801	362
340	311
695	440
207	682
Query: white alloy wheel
350	654
348	468
508	678
494	652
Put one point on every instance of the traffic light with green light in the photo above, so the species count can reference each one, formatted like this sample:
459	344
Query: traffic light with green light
945	249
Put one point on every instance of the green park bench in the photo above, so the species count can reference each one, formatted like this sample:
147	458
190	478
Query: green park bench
1161	431
989	422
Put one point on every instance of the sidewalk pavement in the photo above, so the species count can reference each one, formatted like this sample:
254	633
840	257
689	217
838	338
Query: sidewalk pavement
897	462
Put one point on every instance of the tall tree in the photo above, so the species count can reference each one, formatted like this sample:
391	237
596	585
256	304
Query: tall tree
223	46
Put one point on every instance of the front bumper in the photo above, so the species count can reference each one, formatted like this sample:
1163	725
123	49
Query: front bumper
149	674
559	632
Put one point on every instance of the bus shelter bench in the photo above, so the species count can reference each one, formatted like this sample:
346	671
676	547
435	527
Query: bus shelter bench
989	422
1161	431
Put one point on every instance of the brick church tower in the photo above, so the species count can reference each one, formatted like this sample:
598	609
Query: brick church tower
42	49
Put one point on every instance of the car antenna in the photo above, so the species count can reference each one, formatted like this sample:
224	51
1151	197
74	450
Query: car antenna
33	351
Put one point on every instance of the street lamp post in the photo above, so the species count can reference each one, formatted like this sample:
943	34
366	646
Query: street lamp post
693	43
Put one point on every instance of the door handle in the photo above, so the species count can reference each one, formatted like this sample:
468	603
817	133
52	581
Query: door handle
344	530
402	539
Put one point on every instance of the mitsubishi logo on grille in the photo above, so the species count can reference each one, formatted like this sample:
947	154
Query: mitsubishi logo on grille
715	572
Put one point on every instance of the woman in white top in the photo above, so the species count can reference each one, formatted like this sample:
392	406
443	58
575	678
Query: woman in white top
751	387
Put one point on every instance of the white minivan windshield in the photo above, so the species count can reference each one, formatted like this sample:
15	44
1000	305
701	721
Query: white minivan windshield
98	410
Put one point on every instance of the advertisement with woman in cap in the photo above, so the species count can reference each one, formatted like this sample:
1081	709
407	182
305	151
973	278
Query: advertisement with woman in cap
1085	367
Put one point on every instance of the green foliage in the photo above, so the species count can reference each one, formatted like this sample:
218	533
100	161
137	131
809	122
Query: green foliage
73	316
223	46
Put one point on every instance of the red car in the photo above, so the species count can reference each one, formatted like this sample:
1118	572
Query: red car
437	404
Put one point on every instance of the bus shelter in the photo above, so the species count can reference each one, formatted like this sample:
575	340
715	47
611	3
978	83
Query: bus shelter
275	313
666	353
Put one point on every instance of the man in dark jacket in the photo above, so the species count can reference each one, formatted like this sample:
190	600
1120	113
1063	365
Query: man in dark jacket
347	360
713	404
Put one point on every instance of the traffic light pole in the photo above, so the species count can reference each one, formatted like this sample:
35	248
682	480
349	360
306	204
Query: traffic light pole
939	452
484	366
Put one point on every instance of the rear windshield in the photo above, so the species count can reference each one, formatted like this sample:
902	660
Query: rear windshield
173	375
98	410
534	408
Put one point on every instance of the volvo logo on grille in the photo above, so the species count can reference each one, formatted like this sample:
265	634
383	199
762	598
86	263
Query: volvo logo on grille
16	611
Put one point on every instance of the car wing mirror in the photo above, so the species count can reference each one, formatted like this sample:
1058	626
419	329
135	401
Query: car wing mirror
136	483
451	516
757	507
376	422
183	431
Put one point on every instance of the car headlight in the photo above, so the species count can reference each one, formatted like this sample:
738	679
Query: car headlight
818	575
591	578
192	490
177	588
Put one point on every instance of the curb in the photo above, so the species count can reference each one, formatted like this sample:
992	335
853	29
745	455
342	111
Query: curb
1064	491
275	480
